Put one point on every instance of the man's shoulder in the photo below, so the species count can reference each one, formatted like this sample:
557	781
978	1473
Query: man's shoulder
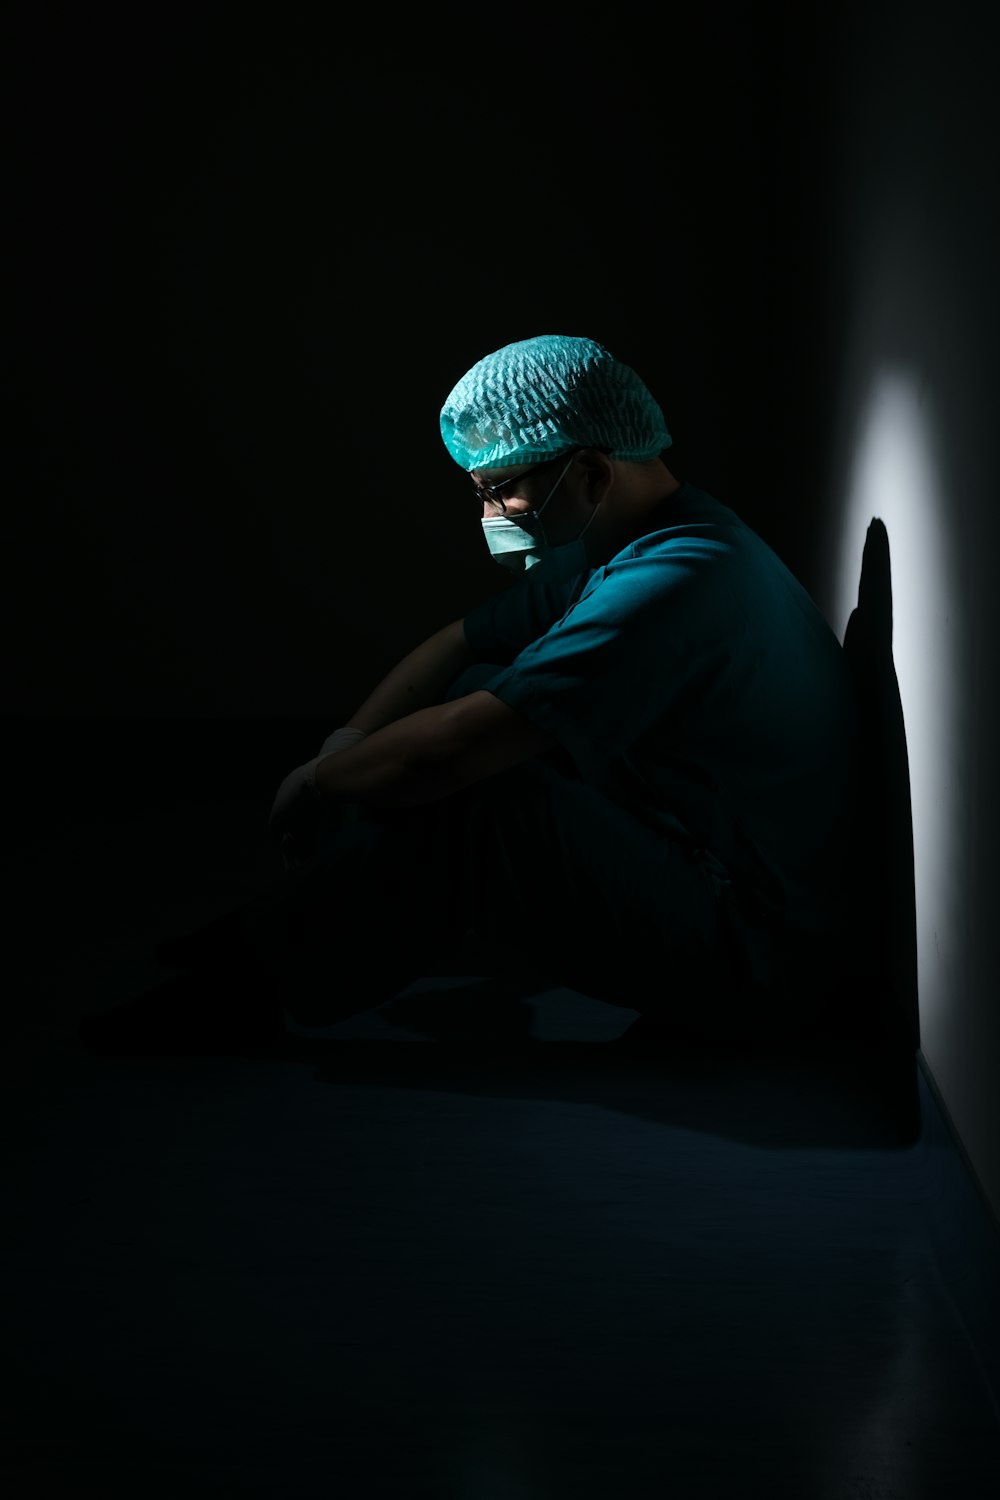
691	510
691	526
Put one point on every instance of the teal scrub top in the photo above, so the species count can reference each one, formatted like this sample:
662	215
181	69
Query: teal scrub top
693	680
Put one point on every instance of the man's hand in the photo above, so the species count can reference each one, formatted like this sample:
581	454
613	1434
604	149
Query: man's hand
342	739
299	808
296	813
297	798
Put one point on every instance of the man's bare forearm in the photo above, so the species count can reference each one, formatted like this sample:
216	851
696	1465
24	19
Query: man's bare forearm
431	753
420	680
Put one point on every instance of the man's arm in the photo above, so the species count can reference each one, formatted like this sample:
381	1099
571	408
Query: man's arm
404	746
420	680
432	753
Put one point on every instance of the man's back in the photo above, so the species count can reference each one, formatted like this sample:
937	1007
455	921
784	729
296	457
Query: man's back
693	679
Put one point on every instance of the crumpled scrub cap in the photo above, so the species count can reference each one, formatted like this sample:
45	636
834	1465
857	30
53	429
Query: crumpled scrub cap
540	397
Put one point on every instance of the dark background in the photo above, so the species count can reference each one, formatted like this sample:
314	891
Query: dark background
252	254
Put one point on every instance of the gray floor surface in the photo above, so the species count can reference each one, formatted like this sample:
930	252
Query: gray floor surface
417	1257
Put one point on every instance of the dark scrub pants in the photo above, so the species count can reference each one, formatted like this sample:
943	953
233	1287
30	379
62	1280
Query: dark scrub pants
540	870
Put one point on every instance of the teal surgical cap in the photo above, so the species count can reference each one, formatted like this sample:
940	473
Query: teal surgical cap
540	397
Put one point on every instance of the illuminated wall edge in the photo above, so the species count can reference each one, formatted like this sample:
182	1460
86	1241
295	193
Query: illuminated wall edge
892	439
893	475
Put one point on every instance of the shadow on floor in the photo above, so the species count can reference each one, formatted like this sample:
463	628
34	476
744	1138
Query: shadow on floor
488	1041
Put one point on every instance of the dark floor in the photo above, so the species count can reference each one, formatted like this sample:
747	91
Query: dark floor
406	1260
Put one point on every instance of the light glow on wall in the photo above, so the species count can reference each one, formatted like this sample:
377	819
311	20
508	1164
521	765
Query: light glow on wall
895	474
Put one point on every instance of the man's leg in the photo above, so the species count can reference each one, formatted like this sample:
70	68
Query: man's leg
533	863
539	869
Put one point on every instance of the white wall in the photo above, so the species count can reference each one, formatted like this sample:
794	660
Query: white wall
912	227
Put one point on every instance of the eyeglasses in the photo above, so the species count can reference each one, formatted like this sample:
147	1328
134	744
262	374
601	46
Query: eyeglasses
489	494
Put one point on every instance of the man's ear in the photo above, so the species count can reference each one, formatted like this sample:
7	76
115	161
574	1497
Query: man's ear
598	471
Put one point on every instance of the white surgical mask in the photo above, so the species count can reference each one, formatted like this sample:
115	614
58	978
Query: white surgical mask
519	544
514	545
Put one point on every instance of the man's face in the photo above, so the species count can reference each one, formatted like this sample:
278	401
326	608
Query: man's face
529	489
